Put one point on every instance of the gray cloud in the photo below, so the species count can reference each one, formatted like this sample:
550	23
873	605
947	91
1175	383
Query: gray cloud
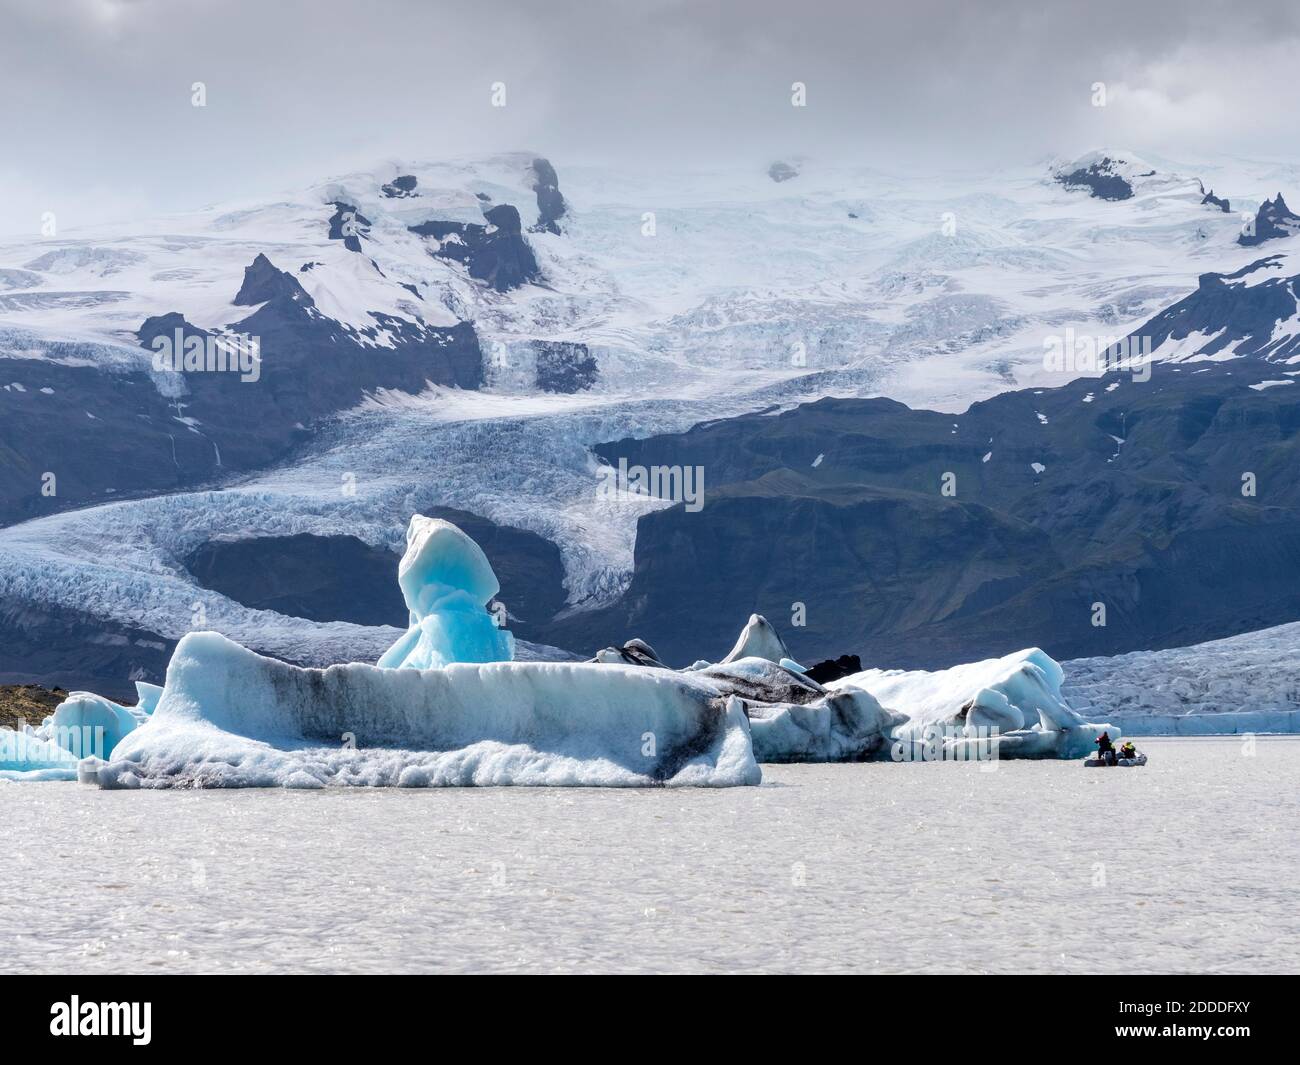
98	120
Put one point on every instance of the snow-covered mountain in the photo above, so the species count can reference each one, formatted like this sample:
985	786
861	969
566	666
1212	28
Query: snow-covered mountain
1254	311
487	322
1114	176
683	276
1273	220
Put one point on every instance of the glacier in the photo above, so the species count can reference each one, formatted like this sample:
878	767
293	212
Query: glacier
1234	686
1027	257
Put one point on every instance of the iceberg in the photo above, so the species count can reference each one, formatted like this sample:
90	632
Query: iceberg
632	653
229	717
792	718
447	583
87	715
1009	707
447	705
444	706
844	726
84	725
758	639
148	696
25	755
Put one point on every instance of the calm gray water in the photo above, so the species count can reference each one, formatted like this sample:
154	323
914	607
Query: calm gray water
1193	859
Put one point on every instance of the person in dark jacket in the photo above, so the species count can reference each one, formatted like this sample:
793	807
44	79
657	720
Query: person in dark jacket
1105	749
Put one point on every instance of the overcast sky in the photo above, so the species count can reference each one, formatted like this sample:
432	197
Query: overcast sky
98	121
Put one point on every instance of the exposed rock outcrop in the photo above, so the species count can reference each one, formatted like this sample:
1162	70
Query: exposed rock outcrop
563	366
496	253
401	187
1274	219
550	203
348	225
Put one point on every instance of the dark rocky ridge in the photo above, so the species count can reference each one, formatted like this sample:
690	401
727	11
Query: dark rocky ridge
1274	219
348	225
550	204
262	282
563	366
111	435
834	669
1155	527
1234	314
321	578
104	436
496	253
401	187
77	652
341	578
1100	180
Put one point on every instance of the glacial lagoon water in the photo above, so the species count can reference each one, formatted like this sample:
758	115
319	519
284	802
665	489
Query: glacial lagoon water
1188	864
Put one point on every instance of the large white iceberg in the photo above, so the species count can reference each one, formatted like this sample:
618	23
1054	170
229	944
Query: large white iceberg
231	718
1009	707
444	706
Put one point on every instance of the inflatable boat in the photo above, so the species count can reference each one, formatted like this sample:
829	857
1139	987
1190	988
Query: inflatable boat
1127	763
